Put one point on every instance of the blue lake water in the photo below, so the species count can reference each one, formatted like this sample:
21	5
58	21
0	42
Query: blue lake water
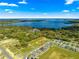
54	23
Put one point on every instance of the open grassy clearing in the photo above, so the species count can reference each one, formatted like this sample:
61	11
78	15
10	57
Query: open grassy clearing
34	44
59	53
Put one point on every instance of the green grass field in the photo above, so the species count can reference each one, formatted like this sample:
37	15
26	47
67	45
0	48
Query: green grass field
59	53
32	45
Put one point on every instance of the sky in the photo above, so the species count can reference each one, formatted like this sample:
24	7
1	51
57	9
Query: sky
39	8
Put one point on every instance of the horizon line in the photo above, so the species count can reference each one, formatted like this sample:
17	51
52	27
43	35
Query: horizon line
38	17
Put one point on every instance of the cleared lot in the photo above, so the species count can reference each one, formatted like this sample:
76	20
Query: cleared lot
59	53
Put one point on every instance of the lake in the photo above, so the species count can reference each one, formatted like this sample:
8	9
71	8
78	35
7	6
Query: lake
48	23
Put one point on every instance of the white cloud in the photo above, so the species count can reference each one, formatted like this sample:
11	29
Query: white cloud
69	1
66	11
23	2
13	5
7	4
9	11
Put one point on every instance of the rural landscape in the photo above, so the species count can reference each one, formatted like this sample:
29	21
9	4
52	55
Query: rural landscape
21	41
39	29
